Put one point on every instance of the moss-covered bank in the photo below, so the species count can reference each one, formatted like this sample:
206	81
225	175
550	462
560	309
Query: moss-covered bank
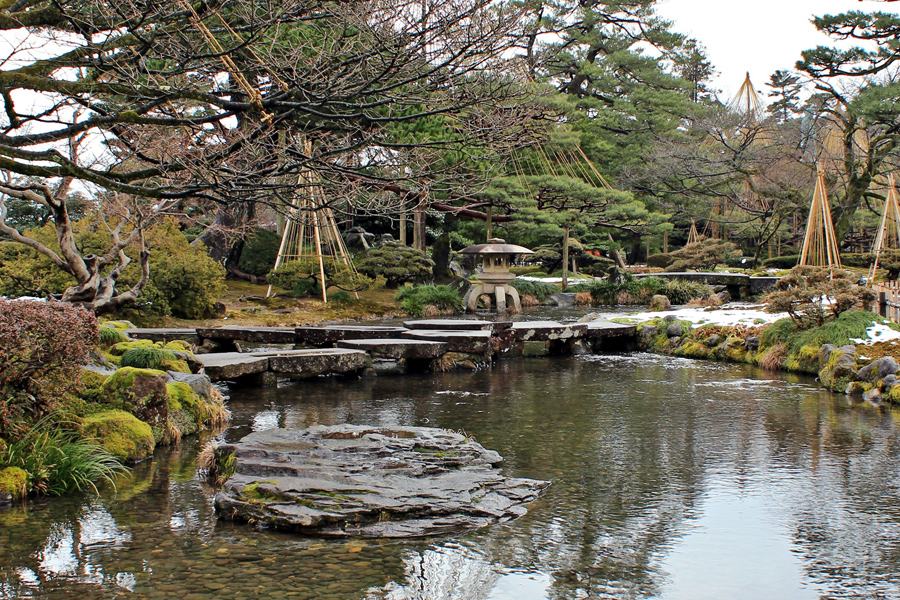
827	352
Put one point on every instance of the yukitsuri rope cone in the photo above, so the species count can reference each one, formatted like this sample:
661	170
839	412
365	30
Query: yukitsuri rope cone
694	236
310	231
820	246
888	236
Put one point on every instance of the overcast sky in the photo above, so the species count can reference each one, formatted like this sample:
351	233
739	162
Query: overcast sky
759	36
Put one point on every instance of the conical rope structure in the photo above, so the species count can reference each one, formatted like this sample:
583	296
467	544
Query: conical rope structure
888	236
694	235
311	232
820	246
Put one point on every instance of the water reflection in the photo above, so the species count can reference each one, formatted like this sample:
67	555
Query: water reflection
671	479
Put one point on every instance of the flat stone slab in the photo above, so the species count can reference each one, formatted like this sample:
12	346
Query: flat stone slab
608	329
457	324
471	342
232	365
310	362
316	361
164	334
318	336
397	349
532	331
350	480
265	335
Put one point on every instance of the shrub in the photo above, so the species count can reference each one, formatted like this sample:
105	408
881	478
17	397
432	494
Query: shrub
397	264
839	331
538	289
42	347
260	251
703	255
146	358
57	461
814	295
414	299
301	277
639	290
782	262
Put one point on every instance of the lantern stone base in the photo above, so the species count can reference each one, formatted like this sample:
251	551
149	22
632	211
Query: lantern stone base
499	291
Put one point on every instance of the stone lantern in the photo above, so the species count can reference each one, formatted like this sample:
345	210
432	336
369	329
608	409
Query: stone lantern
494	279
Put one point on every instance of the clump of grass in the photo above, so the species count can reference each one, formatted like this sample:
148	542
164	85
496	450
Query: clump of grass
57	461
538	289
632	290
145	358
848	325
416	298
110	336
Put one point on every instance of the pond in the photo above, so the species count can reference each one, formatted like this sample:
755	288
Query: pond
671	478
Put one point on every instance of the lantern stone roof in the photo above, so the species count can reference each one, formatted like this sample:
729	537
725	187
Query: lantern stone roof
496	246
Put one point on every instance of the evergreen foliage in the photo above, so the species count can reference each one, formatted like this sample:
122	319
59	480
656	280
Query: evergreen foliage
397	264
416	298
302	277
814	295
538	289
260	252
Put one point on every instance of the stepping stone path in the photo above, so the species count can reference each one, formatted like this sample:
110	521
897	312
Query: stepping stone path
309	362
350	480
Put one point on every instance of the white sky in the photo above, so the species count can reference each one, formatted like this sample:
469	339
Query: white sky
759	36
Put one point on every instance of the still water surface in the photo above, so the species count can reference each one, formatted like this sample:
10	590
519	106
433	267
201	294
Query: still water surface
672	479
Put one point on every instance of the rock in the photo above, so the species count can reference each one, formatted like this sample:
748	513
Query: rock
839	369
713	340
888	383
141	392
201	384
855	388
879	369
561	299
648	332
675	330
753	343
348	480
13	485
670	318
660	303
122	434
724	297
873	396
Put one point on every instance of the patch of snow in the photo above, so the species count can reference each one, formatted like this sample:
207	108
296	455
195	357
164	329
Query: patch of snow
727	314
877	333
572	281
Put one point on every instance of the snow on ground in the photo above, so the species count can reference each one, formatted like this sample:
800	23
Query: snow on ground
727	314
877	333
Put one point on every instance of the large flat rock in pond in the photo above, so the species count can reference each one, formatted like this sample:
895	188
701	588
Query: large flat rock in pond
539	331
265	335
397	349
329	334
607	329
351	480
165	335
232	365
471	342
457	325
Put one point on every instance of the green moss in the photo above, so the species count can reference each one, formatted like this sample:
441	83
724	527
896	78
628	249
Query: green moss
92	379
146	358
181	395
123	347
13	482
180	366
122	434
120	325
179	346
894	394
251	492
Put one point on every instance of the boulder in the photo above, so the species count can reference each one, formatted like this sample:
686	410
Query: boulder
873	396
561	299
648	332
660	303
840	367
201	384
141	392
888	383
879	368
121	434
350	480
13	485
676	329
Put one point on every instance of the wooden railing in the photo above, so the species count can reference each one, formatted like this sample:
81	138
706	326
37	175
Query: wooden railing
888	293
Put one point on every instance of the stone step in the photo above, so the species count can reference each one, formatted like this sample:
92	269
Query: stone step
320	336
397	349
538	331
164	335
265	335
471	342
457	325
300	363
608	329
